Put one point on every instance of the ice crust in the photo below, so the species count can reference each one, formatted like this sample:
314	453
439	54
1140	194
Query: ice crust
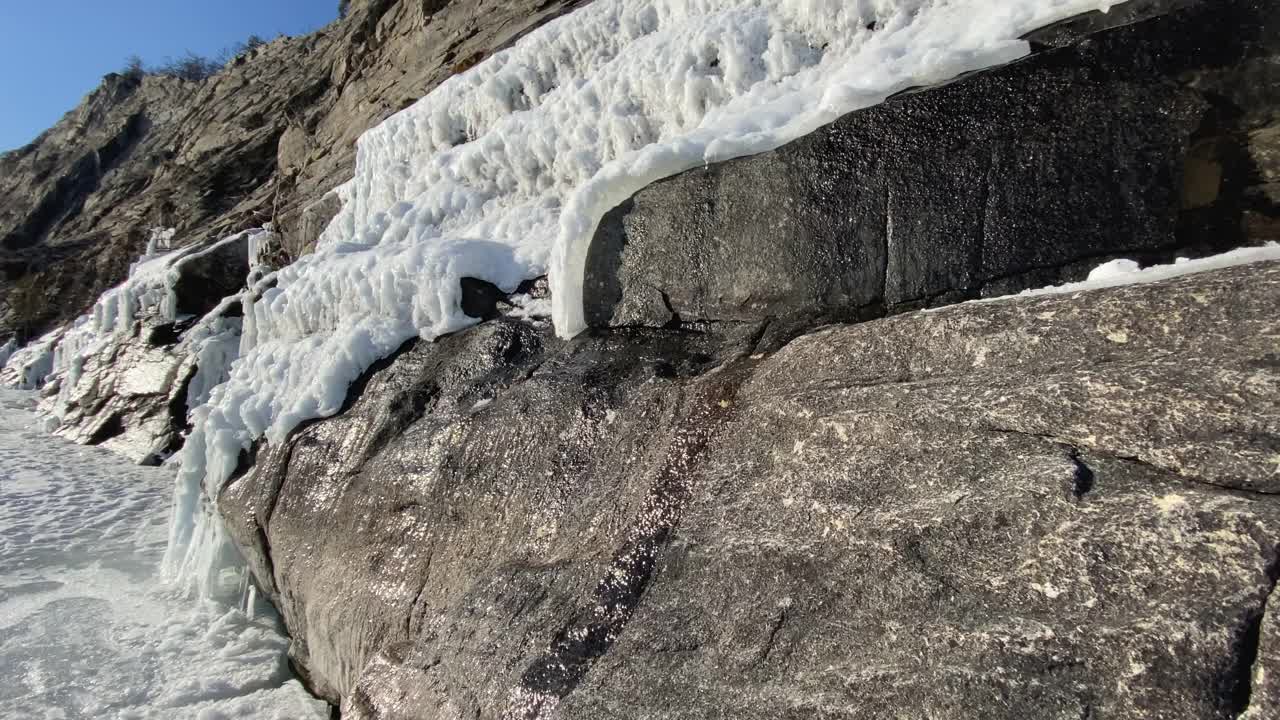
1127	272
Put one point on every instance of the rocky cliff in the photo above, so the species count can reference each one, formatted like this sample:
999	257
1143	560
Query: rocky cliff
264	140
1046	508
767	482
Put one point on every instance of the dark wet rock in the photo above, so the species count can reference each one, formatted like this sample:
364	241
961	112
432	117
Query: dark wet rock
203	278
1149	141
1045	507
480	298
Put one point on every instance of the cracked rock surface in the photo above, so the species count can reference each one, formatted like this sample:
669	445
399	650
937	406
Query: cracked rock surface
1056	507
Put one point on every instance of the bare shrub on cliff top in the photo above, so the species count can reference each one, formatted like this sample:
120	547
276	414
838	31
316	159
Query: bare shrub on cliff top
133	68
190	67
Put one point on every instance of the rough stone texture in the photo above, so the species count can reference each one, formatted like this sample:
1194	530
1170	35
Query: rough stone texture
263	140
1150	140
1264	701
130	397
1042	508
1058	507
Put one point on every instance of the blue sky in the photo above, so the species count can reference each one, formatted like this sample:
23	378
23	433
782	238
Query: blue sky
53	52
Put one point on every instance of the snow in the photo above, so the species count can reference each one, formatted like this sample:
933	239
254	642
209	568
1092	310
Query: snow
86	630
26	368
1127	272
503	172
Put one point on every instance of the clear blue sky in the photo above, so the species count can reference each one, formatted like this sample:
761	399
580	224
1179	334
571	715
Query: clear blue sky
53	52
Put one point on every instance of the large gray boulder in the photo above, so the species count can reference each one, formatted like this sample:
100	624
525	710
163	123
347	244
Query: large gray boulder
1056	507
712	507
1148	140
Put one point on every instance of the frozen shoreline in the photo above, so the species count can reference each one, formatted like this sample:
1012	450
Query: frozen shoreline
86	628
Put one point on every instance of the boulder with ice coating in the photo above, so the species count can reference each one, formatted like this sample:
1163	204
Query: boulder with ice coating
1053	506
1038	507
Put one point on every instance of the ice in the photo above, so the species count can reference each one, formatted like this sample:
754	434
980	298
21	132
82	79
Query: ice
503	172
86	629
1127	272
148	292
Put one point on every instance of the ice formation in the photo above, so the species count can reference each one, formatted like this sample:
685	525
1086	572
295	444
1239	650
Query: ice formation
503	172
148	292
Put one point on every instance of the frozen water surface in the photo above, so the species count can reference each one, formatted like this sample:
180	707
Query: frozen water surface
86	629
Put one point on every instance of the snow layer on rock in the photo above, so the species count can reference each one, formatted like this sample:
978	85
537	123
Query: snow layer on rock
86	631
1127	272
503	172
28	367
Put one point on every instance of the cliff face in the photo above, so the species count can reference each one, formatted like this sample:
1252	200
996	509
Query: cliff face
261	141
1037	508
716	502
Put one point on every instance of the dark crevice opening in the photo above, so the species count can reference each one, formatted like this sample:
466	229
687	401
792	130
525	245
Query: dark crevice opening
112	427
1084	477
1235	684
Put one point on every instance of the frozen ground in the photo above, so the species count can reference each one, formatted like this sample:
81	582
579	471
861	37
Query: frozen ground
86	630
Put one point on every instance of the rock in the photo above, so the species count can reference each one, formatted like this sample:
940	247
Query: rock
314	219
129	386
713	505
1048	507
1130	144
128	397
1264	695
207	276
